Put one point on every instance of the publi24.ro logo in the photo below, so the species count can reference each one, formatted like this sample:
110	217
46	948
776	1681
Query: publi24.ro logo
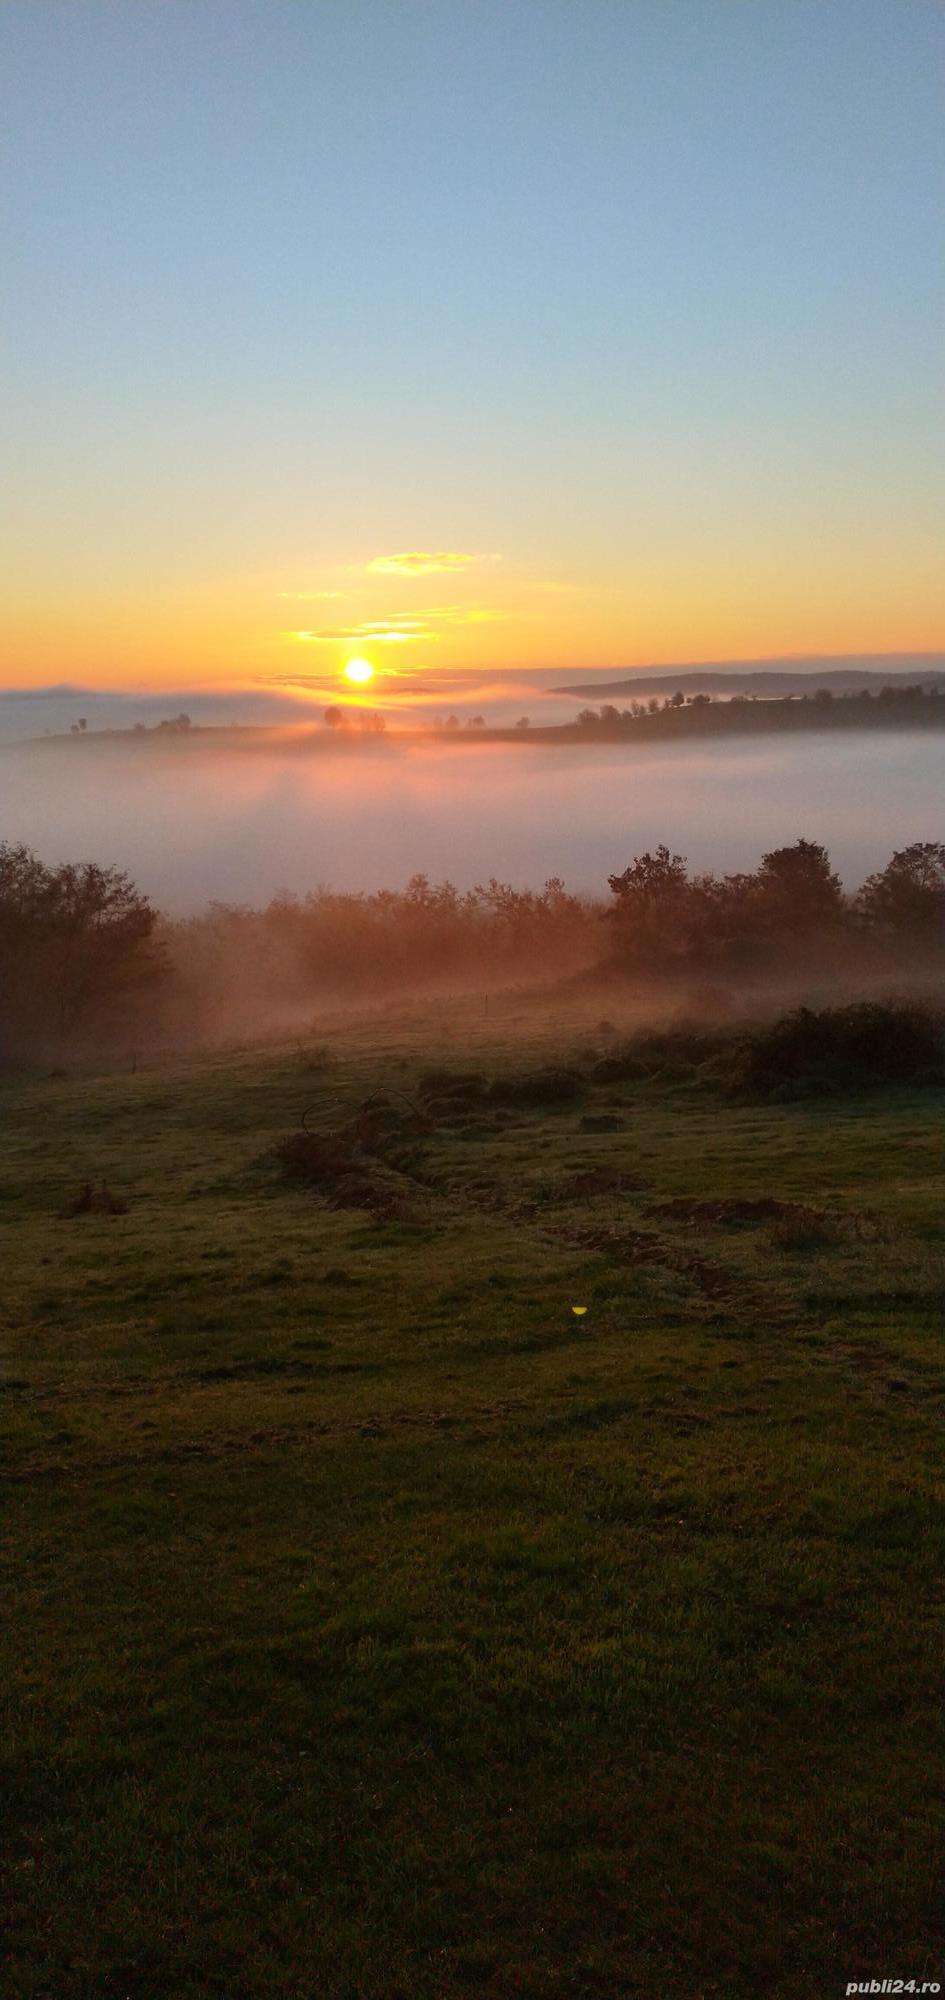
893	1986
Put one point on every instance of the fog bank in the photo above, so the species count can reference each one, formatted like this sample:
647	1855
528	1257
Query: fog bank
196	824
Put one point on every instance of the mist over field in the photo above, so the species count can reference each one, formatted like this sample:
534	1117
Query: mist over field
193	824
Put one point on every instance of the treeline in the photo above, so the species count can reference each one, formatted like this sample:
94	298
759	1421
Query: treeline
699	715
330	946
87	962
791	914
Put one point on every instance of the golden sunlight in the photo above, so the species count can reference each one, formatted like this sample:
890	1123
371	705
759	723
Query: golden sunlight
359	671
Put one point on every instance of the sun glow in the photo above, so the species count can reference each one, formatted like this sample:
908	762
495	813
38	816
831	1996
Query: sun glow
359	671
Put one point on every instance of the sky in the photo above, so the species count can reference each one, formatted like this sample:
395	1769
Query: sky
490	339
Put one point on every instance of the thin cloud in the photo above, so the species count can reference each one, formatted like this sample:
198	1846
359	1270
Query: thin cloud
375	635
53	690
313	683
460	614
400	628
426	562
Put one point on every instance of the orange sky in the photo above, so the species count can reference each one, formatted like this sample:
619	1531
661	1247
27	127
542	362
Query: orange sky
432	611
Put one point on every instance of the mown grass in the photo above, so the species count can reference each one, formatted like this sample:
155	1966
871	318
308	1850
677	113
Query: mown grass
378	1628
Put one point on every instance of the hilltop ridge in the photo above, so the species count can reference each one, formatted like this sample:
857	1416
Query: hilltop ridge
754	677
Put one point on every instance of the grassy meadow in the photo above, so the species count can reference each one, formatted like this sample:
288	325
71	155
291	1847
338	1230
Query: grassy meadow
377	1628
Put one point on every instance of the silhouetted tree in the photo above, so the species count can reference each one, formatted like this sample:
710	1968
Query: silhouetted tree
668	922
334	718
75	941
799	891
905	901
651	909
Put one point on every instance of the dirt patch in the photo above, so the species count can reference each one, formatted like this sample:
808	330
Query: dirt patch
93	1201
317	1157
761	1209
380	1198
337	1166
627	1246
794	1225
381	1122
584	1185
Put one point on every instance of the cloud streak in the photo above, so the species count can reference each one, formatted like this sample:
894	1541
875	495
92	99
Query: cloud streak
400	628
375	635
426	562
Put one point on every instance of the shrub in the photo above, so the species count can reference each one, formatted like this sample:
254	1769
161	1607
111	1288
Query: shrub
537	1086
682	1052
858	1047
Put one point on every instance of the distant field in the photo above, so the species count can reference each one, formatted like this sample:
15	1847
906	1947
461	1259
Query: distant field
379	1629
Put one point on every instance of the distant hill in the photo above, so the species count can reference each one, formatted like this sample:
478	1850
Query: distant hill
926	670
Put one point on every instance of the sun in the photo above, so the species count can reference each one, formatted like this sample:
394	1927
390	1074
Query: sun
359	671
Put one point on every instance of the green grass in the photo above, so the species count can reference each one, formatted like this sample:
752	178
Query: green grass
375	1627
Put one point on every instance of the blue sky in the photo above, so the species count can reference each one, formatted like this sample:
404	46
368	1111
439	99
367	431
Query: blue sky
639	299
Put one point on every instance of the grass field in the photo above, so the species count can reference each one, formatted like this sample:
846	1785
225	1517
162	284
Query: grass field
378	1629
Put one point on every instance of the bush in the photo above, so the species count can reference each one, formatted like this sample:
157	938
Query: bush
860	1047
537	1086
683	1052
624	1068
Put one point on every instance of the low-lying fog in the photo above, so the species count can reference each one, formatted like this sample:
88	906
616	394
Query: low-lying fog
193	823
